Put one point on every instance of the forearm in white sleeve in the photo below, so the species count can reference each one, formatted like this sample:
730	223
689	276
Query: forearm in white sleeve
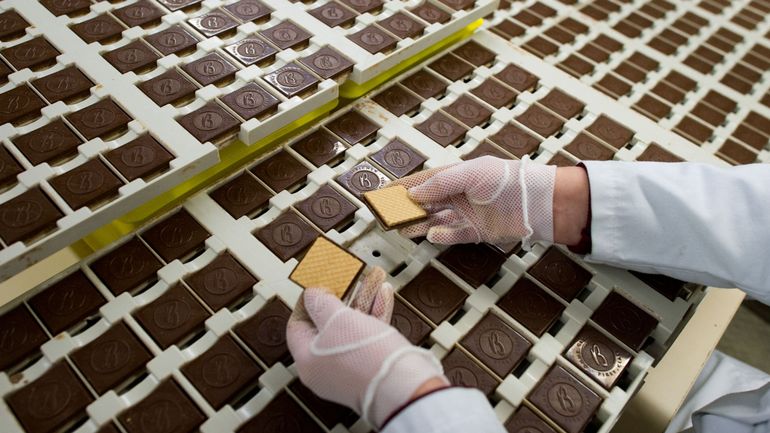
451	410
695	222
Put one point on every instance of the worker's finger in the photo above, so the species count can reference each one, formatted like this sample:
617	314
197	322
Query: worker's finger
418	178
445	217
321	306
371	284
299	336
454	234
382	305
443	185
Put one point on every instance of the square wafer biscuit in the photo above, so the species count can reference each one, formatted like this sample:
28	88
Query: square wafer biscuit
327	266
393	207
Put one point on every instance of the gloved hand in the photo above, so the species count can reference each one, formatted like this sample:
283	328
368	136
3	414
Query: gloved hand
352	356
486	199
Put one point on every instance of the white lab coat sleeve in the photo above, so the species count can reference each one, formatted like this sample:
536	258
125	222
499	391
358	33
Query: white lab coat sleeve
450	410
696	222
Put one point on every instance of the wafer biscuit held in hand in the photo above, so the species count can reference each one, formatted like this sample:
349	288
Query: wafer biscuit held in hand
393	207
327	266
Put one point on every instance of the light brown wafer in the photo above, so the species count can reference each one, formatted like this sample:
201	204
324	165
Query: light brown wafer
393	207
327	266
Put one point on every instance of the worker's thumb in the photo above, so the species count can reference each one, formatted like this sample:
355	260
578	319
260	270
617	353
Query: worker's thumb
321	306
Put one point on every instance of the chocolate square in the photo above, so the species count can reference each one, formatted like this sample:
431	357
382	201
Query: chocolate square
496	344
168	403
251	51
20	105
51	400
210	123
214	23
333	14
291	80
398	159
565	400
67	302
9	167
141	157
172	316
211	69
540	121
222	371
468	111
364	6
142	13
249	10
585	148
507	29
285	35
425	84
613	133
126	267
669	287
626	321
474	53
517	78
409	324
319	147
353	127
287	236
221	282
560	273
169	88
327	208
102	28
525	421
402	25
27	215
451	67
35	54
330	414
576	66
431	13
362	178
700	133
111	358
175	5
99	120
327	62
540	47
397	100
653	152
21	336
720	101
108	428
173	40
515	140
251	101
652	107
134	57
373	39
562	104
87	184
176	236
265	332
5	71
441	129
281	171
241	196
65	85
282	414
485	148
494	93
598	356
463	371
459	4
71	7
434	295
531	306
474	263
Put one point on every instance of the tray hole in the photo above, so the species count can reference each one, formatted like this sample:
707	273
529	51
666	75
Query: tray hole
556	327
244	396
131	382
259	212
400	268
522	367
243	300
521	253
74	424
142	287
584	294
376	253
188	341
84	325
294	188
495	278
457	316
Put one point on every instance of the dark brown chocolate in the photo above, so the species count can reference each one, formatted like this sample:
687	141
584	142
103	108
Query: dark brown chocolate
327	63
652	107
586	148
474	263
720	101
129	266
565	400
525	421
102	28
112	358
468	111
515	140
598	356
517	78
329	413
176	236
459	4
431	13
5	71
134	57
562	104
425	84
474	53
214	23
251	51
613	133
287	236
402	25
496	344
540	121
265	332
653	152
373	39
251	101
696	131
172	316
398	159
12	25
292	80
211	69
486	148
353	127
669	287
20	105
494	93
463	371
9	168
70	7
173	40
507	29
736	153
243	195
67	302
99	120
20	336
451	67
87	184
333	14
281	415
35	54
576	66
175	5
140	158
560	273
210	123
362	178
51	400
221	282
222	371
281	171
27	215
285	35
142	13
531	306
65	85
320	147
166	409
409	324
249	10
397	100
108	428
442	129
364	6
327	208
709	114
625	320
434	295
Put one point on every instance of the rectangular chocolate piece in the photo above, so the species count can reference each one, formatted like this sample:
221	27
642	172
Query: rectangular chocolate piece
279	413
251	101
541	121
517	78
474	53
243	195
27	215
285	35
333	14
425	84
442	129
397	100
21	336
398	159
525	421
330	414
127	267
409	324
496	344
494	93
669	287
173	40
9	168
112	358
468	111
134	57
210	123
172	316
20	105
67	302
176	236
364	6
327	208
327	266
362	178
402	25
35	54
140	158
265	332
211	69
393	207
281	171
287	236
169	88
613	133
434	295
653	152
87	184
167	402
13	25
141	13
66	85
556	389
249	10
221	282
474	263
626	321
431	13
292	80
327	63
451	67
598	356
101	119
586	148
463	371
560	273
175	5
515	140
373	39
252	51
485	148
319	147
562	104
531	306
353	127
71	7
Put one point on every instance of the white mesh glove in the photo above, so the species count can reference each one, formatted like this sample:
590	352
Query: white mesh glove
486	199
352	356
